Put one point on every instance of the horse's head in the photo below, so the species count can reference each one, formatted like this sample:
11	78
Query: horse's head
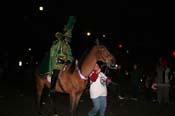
104	55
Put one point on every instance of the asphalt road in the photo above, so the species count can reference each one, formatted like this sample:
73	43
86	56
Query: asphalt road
17	99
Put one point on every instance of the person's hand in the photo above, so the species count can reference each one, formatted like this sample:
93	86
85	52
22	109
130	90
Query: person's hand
154	86
108	81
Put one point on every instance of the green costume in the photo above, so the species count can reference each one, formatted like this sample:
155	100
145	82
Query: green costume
60	51
60	54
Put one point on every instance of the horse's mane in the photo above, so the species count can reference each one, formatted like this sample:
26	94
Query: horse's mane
80	60
85	53
72	67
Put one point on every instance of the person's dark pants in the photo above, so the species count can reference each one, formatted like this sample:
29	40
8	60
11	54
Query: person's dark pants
53	81
122	90
135	90
148	94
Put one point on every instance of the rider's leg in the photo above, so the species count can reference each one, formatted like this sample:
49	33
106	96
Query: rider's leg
53	81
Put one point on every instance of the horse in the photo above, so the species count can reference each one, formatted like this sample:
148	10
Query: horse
73	79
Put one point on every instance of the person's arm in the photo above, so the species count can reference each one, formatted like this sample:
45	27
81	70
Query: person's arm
109	80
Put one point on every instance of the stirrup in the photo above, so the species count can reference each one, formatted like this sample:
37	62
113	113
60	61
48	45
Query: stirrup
64	68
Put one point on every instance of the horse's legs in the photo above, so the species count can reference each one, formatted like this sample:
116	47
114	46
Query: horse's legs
74	100
72	104
78	100
40	87
53	102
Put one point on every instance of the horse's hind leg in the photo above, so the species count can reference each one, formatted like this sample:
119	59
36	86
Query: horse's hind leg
39	87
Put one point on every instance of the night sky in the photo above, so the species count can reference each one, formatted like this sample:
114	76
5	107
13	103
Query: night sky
143	28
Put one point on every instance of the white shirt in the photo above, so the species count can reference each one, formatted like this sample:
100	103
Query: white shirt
98	88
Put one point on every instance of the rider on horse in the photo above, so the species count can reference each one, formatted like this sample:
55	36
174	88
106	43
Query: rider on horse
60	52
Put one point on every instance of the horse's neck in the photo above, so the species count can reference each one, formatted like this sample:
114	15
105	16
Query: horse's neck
89	62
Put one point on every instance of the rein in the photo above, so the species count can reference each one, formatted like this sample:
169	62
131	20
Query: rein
79	71
81	75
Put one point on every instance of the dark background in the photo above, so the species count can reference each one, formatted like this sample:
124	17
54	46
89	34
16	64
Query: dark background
144	28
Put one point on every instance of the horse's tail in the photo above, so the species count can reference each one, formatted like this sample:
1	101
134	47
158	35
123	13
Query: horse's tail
36	74
36	77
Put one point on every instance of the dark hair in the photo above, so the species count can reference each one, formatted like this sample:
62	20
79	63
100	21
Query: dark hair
100	63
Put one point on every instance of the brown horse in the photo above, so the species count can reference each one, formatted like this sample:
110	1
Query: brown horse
73	81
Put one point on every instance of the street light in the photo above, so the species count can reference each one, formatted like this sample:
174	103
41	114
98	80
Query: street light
88	33
29	49
104	35
20	63
41	8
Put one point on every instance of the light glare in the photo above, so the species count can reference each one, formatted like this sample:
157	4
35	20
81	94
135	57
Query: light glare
88	33
29	49
41	8
20	63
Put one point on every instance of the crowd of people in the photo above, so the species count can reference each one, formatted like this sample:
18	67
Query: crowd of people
156	84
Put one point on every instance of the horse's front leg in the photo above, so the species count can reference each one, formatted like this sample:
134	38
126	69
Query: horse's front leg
72	104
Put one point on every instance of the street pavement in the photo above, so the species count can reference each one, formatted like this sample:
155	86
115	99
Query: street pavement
17	98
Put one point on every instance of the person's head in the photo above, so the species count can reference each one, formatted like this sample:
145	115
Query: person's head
135	66
97	68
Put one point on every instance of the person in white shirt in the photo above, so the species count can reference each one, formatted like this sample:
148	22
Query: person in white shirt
98	91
